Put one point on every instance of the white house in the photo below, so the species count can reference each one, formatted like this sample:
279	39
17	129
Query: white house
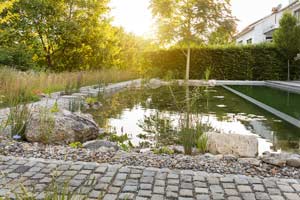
262	30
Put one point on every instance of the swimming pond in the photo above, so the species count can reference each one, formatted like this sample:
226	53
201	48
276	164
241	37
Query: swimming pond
153	116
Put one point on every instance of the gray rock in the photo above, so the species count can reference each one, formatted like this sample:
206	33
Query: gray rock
102	145
275	159
63	127
235	144
293	161
251	161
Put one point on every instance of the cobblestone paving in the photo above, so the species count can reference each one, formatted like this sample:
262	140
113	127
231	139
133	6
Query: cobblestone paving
140	183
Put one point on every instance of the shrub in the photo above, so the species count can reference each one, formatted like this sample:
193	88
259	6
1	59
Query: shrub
256	62
76	145
164	150
201	143
17	120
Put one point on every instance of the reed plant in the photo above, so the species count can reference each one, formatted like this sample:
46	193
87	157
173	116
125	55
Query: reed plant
27	86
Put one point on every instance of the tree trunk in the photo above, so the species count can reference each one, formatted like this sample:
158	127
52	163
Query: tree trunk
187	91
289	70
188	63
49	61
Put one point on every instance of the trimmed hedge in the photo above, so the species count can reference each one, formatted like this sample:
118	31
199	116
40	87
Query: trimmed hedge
255	62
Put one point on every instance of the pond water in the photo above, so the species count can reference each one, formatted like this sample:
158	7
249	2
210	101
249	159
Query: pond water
282	100
154	116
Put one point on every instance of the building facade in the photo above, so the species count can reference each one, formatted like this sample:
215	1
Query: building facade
263	29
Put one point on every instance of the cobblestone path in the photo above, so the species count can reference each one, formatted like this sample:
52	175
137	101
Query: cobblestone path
124	182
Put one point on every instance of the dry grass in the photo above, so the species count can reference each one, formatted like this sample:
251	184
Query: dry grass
16	87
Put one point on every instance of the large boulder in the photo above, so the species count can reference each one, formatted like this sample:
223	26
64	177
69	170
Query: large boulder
235	144
282	159
62	127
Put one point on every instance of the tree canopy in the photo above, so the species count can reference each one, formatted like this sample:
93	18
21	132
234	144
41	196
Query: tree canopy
192	22
287	38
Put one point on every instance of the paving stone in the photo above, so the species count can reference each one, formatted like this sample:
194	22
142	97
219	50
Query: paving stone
262	196
145	193
186	193
157	197
277	197
171	194
173	182
159	190
286	188
291	196
231	192
216	189
234	198
244	188
110	197
296	187
201	190
140	183
202	197
213	181
126	196
145	186
130	188
248	196
273	191
200	184
258	188
229	185
172	188
217	196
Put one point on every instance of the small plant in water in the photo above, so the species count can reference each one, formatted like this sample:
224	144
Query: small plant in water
76	145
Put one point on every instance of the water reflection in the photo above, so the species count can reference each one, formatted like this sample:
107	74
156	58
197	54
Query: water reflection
160	115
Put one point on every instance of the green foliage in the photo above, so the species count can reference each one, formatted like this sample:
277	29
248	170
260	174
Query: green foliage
163	150
17	120
90	100
76	145
191	22
54	108
287	36
201	143
119	139
54	191
46	124
259	62
123	141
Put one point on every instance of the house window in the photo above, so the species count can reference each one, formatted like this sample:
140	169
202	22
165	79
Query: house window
249	41
269	38
297	15
240	42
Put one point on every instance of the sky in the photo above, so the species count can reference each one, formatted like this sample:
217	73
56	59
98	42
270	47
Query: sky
135	16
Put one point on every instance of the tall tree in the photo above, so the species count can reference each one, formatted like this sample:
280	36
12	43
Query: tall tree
189	22
65	34
287	38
